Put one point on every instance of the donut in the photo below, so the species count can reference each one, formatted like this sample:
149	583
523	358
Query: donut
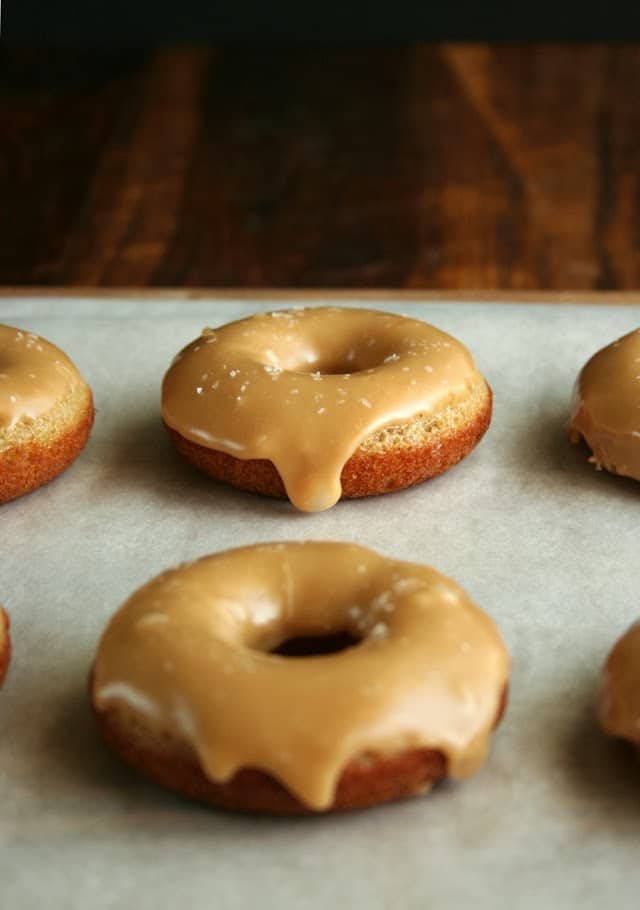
5	645
324	403
618	708
605	408
46	412
296	678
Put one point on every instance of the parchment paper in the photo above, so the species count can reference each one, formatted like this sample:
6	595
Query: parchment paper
544	543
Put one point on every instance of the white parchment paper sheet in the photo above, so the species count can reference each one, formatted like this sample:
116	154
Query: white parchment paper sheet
545	544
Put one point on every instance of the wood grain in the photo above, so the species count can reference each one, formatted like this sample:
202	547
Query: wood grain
450	167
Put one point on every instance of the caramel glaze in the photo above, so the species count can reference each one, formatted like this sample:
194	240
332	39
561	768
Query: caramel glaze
619	700
190	654
605	409
34	376
303	388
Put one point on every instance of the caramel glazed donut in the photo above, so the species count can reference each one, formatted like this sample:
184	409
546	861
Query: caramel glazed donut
619	698
46	412
605	409
199	682
323	403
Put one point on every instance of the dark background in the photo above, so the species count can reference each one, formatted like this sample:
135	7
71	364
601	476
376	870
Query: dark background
254	144
128	22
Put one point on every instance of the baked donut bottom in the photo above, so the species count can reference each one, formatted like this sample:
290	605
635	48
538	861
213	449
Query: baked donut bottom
393	458
367	780
32	454
5	645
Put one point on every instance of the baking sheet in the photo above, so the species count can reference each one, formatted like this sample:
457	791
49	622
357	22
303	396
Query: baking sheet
545	544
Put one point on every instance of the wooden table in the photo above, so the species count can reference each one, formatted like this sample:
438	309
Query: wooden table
452	167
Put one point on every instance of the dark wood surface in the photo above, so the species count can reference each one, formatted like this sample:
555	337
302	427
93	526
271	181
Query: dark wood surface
514	167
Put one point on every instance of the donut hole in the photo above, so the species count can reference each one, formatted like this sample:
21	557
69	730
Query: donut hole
355	358
315	645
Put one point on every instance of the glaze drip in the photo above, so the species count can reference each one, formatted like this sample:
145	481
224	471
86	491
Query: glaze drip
605	408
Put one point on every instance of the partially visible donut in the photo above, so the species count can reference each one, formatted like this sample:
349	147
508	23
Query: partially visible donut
619	697
325	403
5	645
194	687
605	409
46	412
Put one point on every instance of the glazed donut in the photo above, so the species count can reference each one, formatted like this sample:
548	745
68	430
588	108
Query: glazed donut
619	697
201	680
605	409
46	412
323	403
5	645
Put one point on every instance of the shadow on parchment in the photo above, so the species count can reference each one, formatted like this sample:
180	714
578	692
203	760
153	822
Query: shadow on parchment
78	755
116	797
603	770
142	459
79	762
540	445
